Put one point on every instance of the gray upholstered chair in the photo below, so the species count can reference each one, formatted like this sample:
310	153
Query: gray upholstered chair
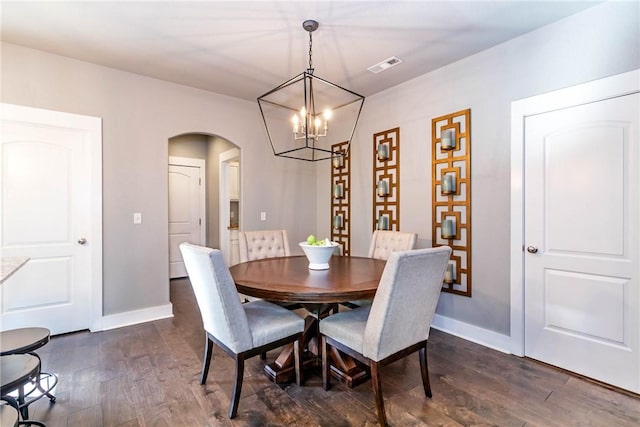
263	244
383	242
260	245
398	321
241	330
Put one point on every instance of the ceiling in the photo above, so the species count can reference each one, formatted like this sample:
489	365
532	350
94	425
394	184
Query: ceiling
245	48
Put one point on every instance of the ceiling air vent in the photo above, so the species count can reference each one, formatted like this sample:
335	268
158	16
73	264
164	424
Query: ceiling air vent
385	65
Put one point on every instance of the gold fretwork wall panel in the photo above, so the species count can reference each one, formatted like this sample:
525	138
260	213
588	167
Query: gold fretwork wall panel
451	193
386	180
341	197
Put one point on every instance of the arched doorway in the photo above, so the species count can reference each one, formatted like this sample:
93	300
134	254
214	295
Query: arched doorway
205	149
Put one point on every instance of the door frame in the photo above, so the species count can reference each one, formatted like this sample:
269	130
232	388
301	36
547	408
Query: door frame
224	199
609	87
196	163
93	128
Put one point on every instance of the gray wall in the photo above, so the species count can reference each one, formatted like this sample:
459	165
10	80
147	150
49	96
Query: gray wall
194	146
139	115
596	43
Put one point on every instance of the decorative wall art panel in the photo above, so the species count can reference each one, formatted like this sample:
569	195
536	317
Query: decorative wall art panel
341	197
386	180
451	200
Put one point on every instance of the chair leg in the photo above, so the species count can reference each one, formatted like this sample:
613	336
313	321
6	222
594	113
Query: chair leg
424	370
377	393
263	355
325	363
237	386
208	350
297	359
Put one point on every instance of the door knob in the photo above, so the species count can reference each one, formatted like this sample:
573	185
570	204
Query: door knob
532	249
82	240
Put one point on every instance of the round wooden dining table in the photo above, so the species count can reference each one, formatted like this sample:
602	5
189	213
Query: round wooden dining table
289	280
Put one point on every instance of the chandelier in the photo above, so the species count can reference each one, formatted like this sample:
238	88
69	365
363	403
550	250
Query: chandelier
307	115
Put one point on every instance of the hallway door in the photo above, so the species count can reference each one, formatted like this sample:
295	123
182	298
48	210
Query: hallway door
581	228
186	209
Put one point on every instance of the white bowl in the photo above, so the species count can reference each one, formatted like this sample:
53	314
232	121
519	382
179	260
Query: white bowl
318	256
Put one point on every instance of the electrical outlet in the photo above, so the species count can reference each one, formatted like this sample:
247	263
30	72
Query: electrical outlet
263	216
137	218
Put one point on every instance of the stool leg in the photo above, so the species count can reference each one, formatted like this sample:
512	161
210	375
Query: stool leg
51	397
31	423
24	409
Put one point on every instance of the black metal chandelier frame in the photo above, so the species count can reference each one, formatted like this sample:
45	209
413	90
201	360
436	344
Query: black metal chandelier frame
311	140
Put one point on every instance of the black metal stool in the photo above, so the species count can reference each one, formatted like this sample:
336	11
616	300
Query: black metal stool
18	371
10	417
23	341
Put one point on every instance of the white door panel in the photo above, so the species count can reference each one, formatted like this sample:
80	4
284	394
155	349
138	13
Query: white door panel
47	179
56	271
571	306
186	202
581	212
585	173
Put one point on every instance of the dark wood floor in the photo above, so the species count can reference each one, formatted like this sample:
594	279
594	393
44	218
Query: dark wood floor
147	375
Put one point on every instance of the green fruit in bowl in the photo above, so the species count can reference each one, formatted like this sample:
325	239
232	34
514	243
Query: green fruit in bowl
312	241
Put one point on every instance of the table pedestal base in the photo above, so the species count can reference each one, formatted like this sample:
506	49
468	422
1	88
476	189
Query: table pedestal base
351	378
342	367
286	374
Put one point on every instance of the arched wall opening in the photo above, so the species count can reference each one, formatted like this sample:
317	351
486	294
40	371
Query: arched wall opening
206	149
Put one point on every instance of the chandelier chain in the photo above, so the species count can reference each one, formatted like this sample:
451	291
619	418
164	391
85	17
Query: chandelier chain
310	45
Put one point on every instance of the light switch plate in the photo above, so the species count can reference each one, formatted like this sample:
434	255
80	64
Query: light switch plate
137	218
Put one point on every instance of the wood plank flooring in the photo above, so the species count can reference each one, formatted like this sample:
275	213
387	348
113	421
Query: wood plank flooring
148	375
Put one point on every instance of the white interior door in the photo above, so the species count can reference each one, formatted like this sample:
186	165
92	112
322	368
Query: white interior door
186	209
581	179
50	178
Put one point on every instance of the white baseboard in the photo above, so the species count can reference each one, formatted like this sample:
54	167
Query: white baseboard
473	333
129	318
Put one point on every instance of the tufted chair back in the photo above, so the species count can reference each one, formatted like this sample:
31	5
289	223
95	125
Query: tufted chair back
263	244
384	242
